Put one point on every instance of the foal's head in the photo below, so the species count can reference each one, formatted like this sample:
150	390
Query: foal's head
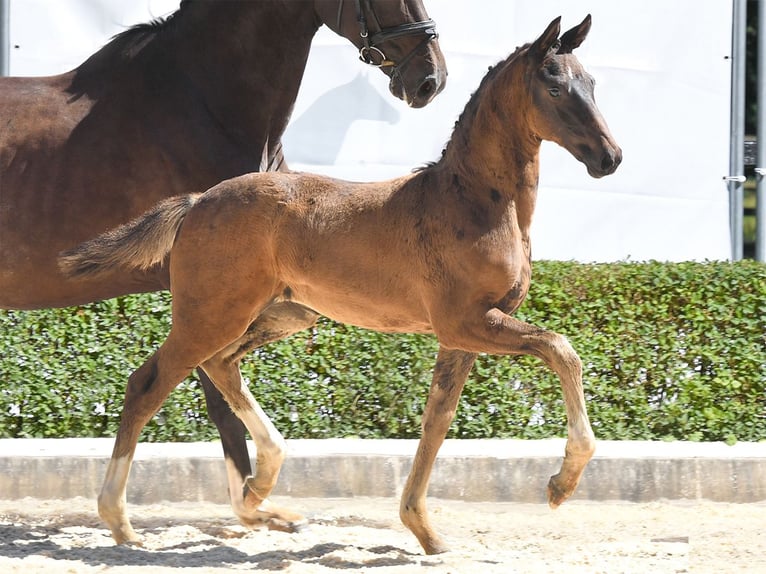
562	107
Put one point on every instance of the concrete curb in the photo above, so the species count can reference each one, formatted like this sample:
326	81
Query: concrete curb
471	470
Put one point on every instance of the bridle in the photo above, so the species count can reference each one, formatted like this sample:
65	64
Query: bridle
370	53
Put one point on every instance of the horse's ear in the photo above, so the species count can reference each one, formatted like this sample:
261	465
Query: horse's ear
548	40
572	39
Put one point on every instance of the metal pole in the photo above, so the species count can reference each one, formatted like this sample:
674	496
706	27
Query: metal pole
760	169
5	37
736	176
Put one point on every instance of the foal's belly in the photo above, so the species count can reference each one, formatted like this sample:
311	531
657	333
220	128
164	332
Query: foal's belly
395	313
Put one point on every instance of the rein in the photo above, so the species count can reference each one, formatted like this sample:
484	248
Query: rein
370	53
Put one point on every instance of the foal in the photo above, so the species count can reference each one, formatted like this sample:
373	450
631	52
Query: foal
445	250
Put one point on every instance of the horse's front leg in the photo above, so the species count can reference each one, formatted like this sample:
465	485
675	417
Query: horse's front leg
450	374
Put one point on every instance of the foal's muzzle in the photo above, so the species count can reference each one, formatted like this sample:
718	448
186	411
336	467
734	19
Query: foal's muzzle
610	161
601	161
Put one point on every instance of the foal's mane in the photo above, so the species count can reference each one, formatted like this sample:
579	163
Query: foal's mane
469	111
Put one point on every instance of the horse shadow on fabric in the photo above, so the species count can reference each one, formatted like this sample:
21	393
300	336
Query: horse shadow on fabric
19	541
316	137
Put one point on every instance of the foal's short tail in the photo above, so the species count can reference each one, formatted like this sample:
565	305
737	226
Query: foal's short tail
138	244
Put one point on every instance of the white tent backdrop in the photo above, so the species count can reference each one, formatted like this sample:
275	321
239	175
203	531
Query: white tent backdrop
663	84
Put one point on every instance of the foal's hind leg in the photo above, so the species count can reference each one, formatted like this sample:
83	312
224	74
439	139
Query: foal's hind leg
147	389
149	386
250	499
230	428
450	374
278	321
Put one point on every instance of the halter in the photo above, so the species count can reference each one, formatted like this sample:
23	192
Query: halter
369	53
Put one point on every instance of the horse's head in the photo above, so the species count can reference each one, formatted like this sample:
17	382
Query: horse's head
563	108
398	37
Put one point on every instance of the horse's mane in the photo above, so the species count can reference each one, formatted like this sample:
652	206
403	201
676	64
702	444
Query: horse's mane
130	41
121	49
473	103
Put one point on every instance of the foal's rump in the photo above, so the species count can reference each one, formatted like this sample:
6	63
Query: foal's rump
139	244
145	242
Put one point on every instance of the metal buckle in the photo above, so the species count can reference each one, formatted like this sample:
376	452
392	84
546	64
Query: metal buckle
366	55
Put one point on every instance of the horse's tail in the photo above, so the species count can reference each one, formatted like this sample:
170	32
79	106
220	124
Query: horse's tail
138	244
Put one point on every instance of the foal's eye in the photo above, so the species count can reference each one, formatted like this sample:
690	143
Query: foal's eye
555	92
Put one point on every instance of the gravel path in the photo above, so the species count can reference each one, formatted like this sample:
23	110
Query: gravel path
364	535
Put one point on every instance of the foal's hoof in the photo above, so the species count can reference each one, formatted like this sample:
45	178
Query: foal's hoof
131	540
437	547
556	495
279	523
290	526
137	543
275	518
126	537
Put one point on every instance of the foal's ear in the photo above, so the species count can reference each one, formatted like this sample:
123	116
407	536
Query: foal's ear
572	39
548	40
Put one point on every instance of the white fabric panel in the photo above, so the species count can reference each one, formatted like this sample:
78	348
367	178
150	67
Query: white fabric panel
663	84
53	36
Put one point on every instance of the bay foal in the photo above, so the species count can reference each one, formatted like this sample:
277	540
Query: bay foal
445	250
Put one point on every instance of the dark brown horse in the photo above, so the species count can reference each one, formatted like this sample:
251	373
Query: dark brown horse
445	250
167	108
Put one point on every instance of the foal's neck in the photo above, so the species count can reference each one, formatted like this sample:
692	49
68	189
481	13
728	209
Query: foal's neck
496	157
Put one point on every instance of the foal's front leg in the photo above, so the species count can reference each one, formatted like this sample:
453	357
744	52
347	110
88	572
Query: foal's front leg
499	333
450	374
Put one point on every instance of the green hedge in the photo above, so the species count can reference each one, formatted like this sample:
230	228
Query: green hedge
670	351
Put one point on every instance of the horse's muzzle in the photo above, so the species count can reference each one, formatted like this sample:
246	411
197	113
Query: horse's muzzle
427	91
419	95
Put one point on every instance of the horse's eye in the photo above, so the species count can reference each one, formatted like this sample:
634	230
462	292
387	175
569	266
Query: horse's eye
555	92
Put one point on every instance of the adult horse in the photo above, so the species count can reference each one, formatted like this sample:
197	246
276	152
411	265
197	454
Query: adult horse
445	250
165	108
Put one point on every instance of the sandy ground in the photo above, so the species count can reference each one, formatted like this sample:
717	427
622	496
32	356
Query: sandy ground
364	535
